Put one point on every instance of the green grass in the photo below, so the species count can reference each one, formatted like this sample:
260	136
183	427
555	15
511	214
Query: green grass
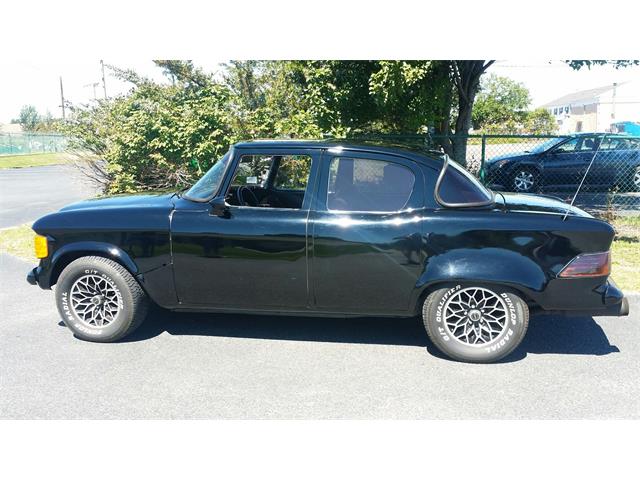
35	160
625	251
18	241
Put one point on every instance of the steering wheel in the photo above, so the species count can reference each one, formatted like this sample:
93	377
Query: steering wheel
250	200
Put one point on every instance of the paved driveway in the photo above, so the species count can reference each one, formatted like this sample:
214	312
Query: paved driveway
224	366
28	193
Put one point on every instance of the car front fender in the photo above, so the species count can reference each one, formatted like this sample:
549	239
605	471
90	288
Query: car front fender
49	270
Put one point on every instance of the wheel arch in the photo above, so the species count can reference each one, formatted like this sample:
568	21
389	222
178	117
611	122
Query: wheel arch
68	253
505	269
527	165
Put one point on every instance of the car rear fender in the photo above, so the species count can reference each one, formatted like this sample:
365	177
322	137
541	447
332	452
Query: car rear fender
494	266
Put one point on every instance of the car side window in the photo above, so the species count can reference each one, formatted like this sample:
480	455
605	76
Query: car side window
252	170
569	146
580	144
293	172
270	181
364	185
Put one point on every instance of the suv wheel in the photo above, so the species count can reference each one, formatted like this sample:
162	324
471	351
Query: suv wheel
475	323
635	180
99	300
525	180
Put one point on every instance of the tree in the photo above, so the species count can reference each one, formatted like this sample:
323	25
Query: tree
466	78
540	122
501	102
158	136
578	64
28	118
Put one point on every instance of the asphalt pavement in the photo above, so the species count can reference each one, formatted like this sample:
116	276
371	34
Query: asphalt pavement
255	367
28	193
194	366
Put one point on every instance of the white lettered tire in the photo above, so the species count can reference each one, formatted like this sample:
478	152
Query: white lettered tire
475	323
99	300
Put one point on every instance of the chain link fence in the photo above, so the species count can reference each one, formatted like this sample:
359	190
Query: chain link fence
30	143
606	167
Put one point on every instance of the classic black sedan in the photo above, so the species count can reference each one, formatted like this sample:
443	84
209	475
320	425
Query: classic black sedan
330	229
562	162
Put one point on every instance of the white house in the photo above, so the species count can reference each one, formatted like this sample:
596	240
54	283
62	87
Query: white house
597	109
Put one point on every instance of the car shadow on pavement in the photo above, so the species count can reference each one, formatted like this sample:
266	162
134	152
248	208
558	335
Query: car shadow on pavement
546	335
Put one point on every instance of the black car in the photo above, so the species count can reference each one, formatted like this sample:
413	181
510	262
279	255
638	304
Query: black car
561	163
330	229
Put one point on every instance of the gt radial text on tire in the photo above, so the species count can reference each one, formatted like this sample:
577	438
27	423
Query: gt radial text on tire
99	300
475	323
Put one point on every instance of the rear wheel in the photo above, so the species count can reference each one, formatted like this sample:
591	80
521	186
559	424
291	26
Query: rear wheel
475	323
99	300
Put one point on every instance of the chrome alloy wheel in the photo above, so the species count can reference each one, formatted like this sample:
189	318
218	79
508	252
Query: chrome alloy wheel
95	301
636	178
523	181
475	316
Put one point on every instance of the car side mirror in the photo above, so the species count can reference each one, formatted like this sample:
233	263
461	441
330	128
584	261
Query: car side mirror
219	207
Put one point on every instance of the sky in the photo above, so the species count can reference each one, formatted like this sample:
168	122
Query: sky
37	82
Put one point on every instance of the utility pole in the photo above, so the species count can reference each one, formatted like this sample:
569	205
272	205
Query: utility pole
104	83
613	102
62	100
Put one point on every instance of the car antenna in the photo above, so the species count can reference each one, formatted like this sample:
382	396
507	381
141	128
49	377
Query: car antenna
584	177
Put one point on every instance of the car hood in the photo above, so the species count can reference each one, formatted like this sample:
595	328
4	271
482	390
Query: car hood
147	212
149	200
508	156
520	202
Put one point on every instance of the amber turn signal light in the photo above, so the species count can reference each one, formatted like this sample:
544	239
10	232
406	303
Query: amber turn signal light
588	265
41	246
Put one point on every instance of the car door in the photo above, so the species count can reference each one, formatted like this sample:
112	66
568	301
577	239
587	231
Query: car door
247	257
566	163
366	242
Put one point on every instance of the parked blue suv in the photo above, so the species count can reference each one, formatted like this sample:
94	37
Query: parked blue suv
560	163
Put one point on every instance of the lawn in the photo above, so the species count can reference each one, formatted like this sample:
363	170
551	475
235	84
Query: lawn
18	241
35	160
625	251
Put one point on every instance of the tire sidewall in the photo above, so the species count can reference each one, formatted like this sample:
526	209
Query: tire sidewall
502	345
63	291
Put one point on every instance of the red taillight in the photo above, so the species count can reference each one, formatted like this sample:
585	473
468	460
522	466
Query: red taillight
588	265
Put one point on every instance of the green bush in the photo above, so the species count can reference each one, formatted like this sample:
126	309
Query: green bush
156	137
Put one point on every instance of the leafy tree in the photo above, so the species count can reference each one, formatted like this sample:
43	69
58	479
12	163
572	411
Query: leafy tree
28	118
578	64
165	134
501	102
158	136
412	95
540	122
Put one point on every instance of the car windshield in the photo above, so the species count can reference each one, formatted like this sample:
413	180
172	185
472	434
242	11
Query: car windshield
209	184
544	146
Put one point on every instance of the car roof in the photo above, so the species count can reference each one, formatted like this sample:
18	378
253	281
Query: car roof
591	134
413	152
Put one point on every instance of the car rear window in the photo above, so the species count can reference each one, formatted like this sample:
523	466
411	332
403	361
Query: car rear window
459	188
364	185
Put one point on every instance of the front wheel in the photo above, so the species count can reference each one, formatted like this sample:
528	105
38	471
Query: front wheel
99	300
475	323
635	180
525	180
